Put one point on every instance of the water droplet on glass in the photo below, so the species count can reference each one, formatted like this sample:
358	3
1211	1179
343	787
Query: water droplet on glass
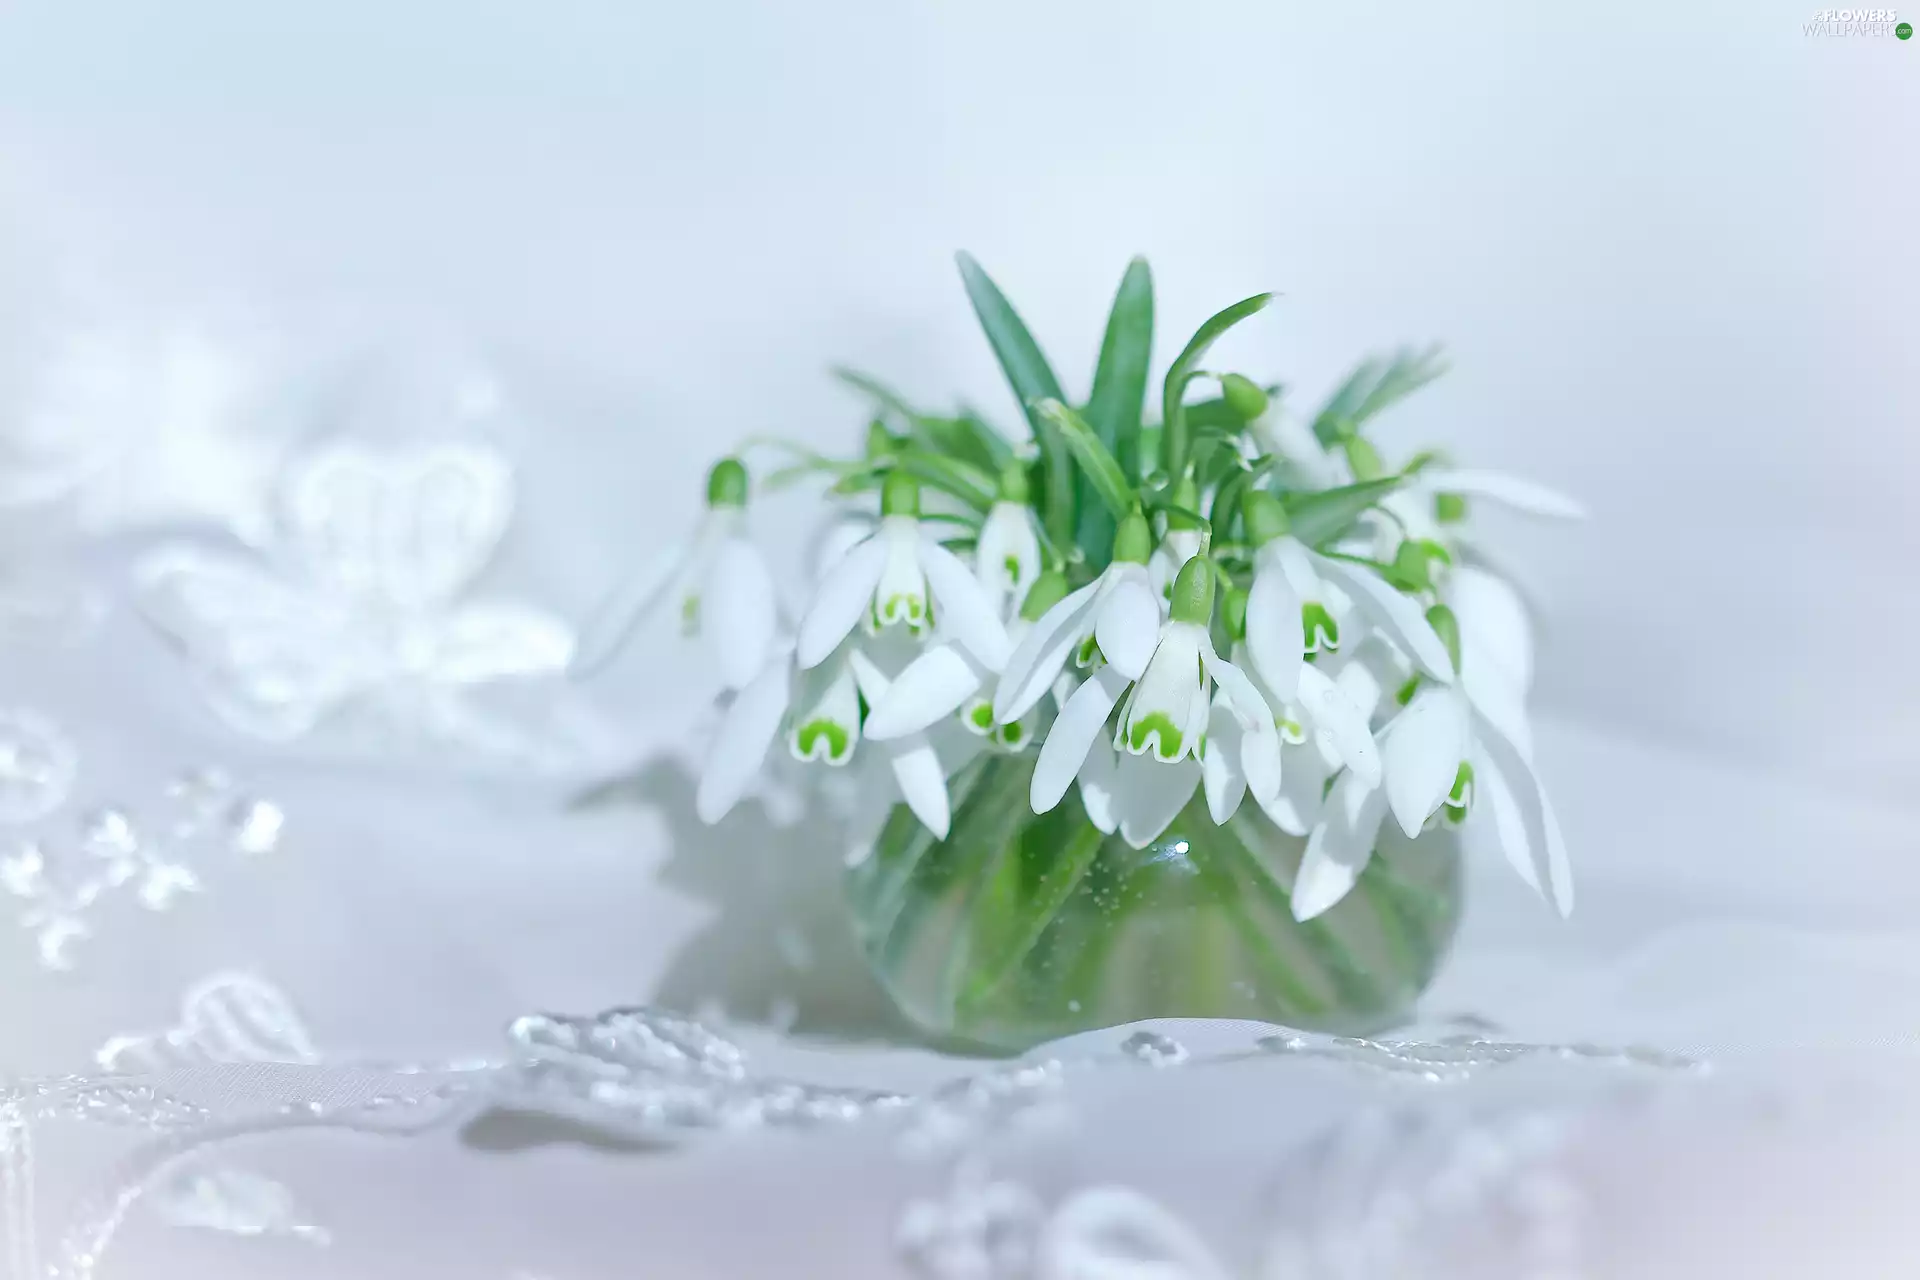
1154	1049
24	871
254	826
201	791
109	833
37	766
163	883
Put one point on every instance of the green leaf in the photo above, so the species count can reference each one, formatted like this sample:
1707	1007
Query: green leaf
1325	515
964	438
878	392
1032	380
1115	407
1226	498
1153	466
1375	385
1099	467
950	476
1186	366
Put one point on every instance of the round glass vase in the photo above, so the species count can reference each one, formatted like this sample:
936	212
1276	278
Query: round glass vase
1020	927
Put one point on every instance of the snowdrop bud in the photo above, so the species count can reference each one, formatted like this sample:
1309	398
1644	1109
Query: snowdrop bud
1265	518
1014	485
1243	396
1447	627
1048	590
1133	541
1411	568
1363	459
1193	592
727	484
1233	611
900	495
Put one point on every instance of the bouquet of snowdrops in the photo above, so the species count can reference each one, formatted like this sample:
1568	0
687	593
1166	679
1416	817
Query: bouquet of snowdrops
1232	604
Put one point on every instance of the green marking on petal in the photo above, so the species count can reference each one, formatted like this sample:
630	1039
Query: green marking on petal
1011	736
1449	508
978	717
1407	690
1088	654
1321	631
902	607
1291	730
823	739
690	615
1460	798
1155	728
1447	627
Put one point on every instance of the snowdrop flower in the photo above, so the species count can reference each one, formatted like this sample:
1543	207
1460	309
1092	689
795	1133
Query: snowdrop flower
1283	435
1322	731
1289	613
819	709
726	594
946	680
1111	622
1007	555
1440	752
1161	730
916	769
900	576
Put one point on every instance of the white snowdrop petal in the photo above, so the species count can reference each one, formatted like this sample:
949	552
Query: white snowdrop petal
1127	625
630	603
964	609
737	611
1340	725
1421	753
845	594
933	686
923	784
1043	653
1496	633
1072	735
1098	778
1302	794
1275	639
1151	795
1543	848
1394	613
1339	846
747	730
1526	496
1220	773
